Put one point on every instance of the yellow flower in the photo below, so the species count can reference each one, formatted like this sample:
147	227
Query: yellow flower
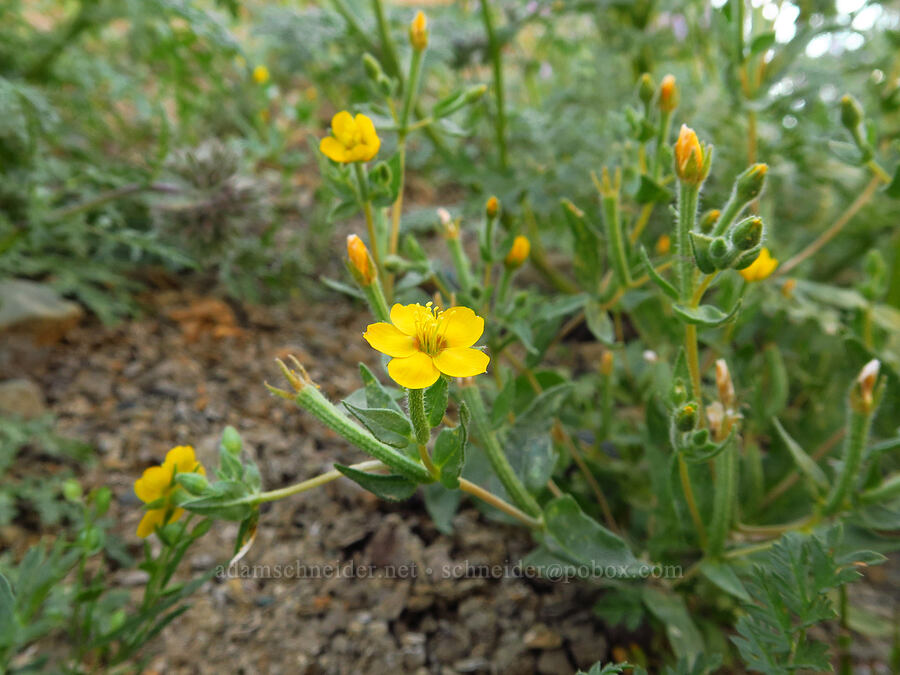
492	208
418	32
761	268
353	140
158	482
425	342
518	254
260	74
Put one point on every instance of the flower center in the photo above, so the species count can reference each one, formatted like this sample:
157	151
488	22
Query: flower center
430	331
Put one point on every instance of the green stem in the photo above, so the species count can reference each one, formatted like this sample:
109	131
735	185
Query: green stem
610	204
684	259
503	289
362	182
411	90
502	505
662	138
309	484
723	500
514	487
389	50
858	424
311	399
377	301
497	63
684	474
416	402
460	263
754	469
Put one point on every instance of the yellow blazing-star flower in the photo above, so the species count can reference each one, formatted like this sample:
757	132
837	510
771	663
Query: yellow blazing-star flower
260	74
418	32
761	268
158	482
425	342
691	158
353	140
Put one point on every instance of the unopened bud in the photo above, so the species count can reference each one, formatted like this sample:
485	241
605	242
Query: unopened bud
686	417
474	93
851	113
610	187
747	233
724	384
749	184
518	254
492	207
418	32
668	94
606	363
372	67
715	415
866	381
692	160
709	219
663	244
787	288
361	264
646	88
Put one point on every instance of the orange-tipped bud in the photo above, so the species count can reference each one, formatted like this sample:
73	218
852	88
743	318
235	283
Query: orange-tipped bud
668	94
606	363
418	32
518	254
663	244
361	264
492	208
692	160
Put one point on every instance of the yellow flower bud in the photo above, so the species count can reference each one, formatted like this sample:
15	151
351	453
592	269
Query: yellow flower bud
761	268
692	160
260	74
518	254
668	94
492	208
418	32
361	263
663	244
606	363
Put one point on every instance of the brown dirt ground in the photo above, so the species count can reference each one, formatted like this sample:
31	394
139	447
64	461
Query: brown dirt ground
135	390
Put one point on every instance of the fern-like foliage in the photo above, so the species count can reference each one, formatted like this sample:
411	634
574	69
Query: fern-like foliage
791	586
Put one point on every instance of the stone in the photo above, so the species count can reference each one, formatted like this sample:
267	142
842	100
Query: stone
554	662
540	636
21	398
36	309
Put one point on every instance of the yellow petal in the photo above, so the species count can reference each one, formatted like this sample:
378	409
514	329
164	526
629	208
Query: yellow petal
389	340
153	484
332	149
405	317
150	521
462	327
344	128
183	459
462	362
413	372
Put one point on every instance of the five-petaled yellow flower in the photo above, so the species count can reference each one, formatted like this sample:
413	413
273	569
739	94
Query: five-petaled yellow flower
353	140
158	482
260	74
425	342
761	268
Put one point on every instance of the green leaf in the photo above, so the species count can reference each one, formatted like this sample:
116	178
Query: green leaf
724	576
376	395
655	277
762	42
584	541
804	462
684	637
450	450
442	505
7	610
705	315
390	487
225	499
893	189
436	397
651	192
388	426
599	323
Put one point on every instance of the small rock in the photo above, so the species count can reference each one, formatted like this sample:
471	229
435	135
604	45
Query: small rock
540	636
554	662
21	398
36	309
